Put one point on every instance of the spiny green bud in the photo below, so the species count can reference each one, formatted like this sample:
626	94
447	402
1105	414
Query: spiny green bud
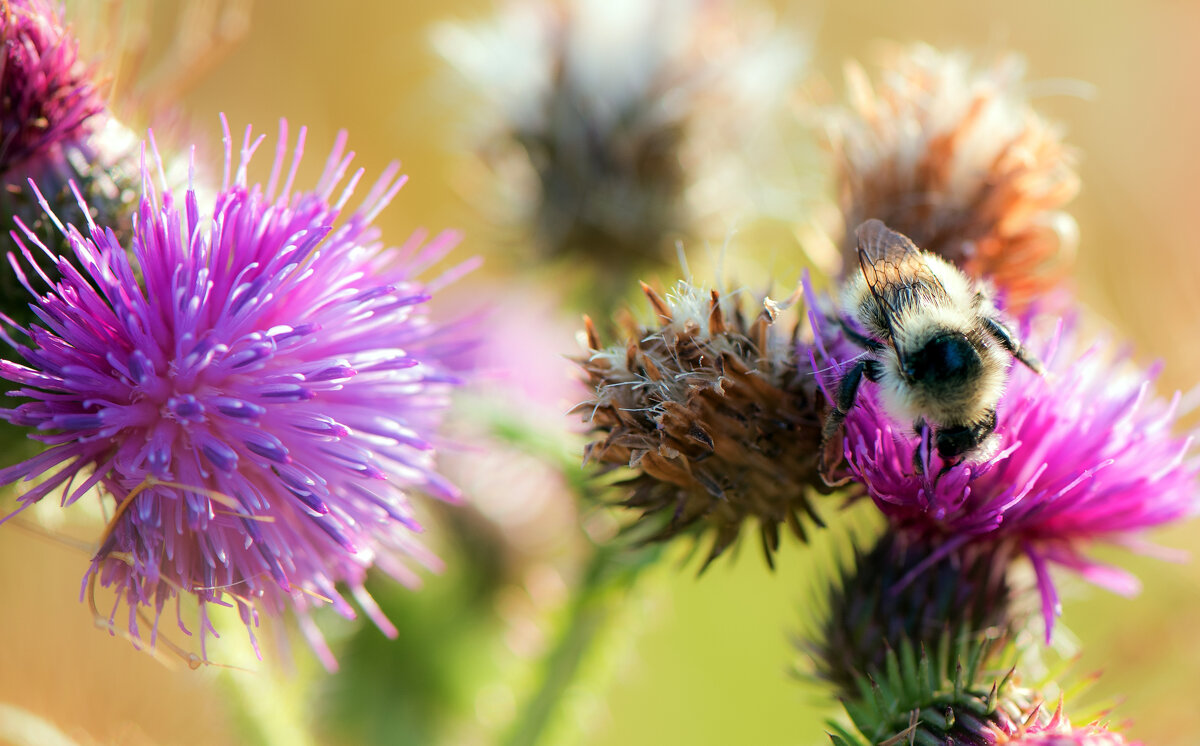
901	593
956	693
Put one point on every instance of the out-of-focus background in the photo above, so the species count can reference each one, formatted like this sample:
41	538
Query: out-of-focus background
703	661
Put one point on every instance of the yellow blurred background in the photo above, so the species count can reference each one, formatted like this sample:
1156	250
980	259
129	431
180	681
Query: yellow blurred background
709	664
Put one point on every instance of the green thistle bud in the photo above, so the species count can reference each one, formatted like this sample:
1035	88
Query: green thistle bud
907	593
957	693
105	169
919	642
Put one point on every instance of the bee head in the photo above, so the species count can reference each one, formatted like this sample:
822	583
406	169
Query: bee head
948	361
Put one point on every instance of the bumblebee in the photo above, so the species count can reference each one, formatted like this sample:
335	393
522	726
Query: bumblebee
934	343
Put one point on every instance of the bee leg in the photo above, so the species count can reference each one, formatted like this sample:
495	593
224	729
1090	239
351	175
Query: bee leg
847	394
872	370
859	338
830	452
924	450
1009	342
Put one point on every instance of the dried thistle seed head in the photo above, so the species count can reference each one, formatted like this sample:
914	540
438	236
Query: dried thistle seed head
909	593
712	414
954	157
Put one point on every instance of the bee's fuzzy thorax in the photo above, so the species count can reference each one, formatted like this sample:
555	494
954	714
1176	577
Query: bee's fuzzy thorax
938	300
907	403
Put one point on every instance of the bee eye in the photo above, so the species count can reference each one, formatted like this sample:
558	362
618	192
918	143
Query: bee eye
946	360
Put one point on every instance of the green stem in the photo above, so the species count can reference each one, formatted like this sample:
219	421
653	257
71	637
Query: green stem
586	616
611	567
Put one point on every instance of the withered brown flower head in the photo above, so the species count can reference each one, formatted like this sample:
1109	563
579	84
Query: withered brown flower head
954	157
714	417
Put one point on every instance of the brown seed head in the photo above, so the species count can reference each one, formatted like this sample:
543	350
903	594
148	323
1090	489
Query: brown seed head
955	158
713	415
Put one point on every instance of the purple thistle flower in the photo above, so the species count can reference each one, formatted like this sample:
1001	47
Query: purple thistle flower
47	96
1084	454
255	388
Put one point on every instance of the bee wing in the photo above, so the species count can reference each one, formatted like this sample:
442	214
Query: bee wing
878	243
894	268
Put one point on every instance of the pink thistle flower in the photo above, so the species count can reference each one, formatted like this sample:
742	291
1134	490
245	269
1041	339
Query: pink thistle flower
49	95
1087	736
1085	454
1058	731
253	389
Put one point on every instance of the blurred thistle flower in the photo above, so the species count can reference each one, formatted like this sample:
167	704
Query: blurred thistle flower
517	436
1090	736
254	390
520	353
49	96
55	130
954	158
602	115
712	415
55	124
1084	454
873	613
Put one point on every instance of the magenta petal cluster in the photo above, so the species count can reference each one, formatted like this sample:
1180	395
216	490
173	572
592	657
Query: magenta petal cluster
48	94
1058	731
1085	454
1089	736
252	387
